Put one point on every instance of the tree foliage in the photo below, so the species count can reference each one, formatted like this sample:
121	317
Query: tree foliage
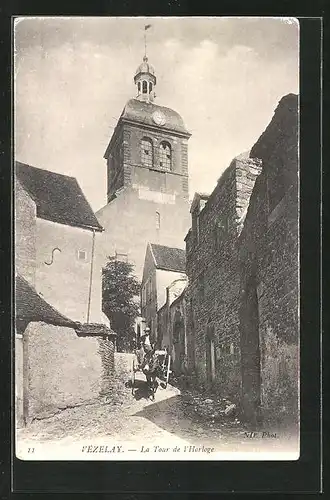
120	292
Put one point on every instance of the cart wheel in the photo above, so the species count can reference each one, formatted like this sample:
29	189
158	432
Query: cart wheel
167	371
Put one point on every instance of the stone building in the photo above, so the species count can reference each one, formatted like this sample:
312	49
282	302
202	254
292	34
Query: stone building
243	270
61	237
162	266
147	172
64	350
269	274
212	295
173	333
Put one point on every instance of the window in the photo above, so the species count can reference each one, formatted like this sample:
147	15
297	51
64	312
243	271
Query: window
82	255
144	87
139	87
150	87
146	152
157	220
165	156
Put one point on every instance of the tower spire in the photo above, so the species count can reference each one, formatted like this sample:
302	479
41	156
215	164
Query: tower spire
145	78
146	27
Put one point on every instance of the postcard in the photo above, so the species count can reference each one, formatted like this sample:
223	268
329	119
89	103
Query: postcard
156	238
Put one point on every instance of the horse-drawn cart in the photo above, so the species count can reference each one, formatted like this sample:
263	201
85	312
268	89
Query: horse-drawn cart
154	365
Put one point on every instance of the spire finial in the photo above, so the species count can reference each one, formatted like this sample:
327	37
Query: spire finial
145	78
146	27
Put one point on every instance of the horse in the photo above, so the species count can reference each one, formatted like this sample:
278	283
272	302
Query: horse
150	367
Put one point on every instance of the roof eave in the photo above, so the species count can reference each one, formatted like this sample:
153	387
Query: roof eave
112	138
170	269
99	229
180	133
31	318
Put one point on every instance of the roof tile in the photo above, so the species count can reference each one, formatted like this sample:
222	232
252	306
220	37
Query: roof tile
169	258
30	306
58	197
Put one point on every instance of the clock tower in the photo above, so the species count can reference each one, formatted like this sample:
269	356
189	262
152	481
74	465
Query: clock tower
147	175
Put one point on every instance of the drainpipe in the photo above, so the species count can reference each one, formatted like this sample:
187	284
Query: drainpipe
91	278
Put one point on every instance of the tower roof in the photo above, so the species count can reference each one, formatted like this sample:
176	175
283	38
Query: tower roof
145	67
143	112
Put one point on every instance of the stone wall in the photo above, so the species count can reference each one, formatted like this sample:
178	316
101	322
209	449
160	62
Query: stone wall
19	378
124	162
144	204
25	234
173	179
107	353
212	269
149	293
25	265
269	264
62	369
173	333
65	284
130	222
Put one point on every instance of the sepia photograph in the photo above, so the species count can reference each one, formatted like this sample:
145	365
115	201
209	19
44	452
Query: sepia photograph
156	215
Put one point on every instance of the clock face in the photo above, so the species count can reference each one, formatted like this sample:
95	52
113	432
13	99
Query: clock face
159	118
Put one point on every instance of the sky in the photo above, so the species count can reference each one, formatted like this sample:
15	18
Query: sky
73	77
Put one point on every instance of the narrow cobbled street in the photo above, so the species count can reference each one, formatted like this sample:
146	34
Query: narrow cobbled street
128	426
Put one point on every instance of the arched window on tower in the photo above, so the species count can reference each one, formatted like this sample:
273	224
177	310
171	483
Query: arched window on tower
144	87
139	87
150	87
165	156
146	152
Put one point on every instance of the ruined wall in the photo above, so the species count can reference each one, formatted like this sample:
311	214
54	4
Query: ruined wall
63	369
212	269
269	260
